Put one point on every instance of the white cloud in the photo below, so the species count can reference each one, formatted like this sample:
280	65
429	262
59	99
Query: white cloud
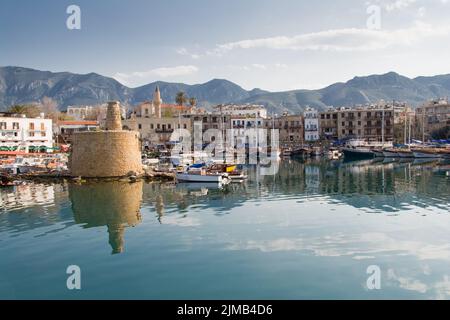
164	72
399	4
341	39
259	66
185	52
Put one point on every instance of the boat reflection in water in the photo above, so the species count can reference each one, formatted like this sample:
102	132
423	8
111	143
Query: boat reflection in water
113	204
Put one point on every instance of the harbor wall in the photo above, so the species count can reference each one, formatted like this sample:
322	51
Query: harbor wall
105	154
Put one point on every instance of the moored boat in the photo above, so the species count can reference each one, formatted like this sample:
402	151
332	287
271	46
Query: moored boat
426	153
202	176
391	153
378	153
358	153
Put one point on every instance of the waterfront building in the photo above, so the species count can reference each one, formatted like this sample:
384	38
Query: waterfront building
373	123
433	117
19	133
328	124
65	129
311	125
291	130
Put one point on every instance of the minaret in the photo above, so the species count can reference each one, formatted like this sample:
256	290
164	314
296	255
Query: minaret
157	102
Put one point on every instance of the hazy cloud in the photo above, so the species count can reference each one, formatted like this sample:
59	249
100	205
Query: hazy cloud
164	72
342	39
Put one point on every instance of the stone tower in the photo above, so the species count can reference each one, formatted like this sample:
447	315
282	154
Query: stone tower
157	102
108	153
113	117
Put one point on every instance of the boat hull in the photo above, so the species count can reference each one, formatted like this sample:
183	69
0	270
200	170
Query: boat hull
390	154
424	155
406	154
186	177
358	153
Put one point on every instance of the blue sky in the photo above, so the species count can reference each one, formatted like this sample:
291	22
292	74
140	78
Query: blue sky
274	45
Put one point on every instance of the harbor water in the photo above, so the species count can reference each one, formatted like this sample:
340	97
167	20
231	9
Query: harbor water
310	231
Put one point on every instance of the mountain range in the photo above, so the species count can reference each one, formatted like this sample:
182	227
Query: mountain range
20	85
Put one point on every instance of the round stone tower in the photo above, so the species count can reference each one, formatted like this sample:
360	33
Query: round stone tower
108	153
113	117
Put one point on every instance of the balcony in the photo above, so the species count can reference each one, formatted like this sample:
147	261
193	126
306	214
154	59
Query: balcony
164	130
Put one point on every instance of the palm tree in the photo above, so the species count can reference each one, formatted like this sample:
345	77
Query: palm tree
181	98
31	111
193	102
19	109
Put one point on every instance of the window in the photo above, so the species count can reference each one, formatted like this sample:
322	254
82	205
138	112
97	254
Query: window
322	116
152	126
185	126
169	126
158	126
31	125
16	126
146	111
359	123
328	116
42	126
2	125
140	126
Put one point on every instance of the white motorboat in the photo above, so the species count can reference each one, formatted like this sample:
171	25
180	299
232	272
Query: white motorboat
202	176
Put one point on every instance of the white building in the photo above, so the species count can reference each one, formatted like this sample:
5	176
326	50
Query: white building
246	110
80	113
311	125
18	133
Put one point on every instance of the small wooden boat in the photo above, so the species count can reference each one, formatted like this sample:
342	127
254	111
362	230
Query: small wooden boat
287	152
334	154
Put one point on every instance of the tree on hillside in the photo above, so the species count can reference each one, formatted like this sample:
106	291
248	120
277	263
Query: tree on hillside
181	98
49	107
193	102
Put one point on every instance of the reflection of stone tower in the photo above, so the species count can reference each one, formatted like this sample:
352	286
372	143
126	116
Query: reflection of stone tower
113	204
157	102
159	206
110	153
113	117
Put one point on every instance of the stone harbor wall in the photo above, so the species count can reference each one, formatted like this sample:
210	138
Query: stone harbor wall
105	154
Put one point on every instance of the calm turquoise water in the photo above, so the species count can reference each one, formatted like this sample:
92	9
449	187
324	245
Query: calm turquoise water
309	232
